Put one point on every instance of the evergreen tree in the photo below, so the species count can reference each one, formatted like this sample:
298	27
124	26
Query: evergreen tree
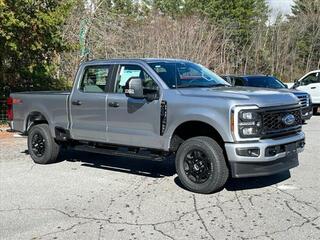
30	41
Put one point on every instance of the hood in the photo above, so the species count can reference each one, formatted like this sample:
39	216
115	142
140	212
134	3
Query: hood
247	95
294	91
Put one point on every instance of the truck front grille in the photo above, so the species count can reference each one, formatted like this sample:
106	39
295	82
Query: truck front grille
304	100
273	124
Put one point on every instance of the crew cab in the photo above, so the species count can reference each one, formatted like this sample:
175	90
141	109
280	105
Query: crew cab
310	83
266	81
155	108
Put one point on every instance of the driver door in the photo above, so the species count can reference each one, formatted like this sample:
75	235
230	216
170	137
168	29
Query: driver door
134	122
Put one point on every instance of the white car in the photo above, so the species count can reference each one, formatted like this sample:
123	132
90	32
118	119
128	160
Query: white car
310	83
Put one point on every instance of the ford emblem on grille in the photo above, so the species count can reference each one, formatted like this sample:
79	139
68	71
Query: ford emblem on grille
289	119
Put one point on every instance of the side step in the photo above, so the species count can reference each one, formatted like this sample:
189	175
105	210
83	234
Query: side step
119	153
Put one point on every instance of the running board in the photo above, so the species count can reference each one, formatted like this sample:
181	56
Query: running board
118	153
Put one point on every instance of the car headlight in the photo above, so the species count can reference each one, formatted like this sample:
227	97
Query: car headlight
247	123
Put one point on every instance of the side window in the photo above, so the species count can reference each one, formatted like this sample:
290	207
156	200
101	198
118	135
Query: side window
126	72
95	79
311	78
238	81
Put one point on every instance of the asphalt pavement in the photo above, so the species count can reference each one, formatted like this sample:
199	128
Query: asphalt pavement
91	196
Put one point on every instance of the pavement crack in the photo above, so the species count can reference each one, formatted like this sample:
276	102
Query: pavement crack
201	219
240	204
297	200
161	232
64	230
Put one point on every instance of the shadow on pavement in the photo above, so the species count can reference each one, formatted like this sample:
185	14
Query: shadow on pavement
155	169
141	167
236	184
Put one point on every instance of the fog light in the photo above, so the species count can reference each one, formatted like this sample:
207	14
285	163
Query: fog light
248	152
272	151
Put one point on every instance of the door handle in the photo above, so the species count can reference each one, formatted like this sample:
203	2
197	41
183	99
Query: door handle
114	104
313	87
77	102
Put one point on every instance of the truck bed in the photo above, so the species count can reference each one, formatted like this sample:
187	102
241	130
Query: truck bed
53	105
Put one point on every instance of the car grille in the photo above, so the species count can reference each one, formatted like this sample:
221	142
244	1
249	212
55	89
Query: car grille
304	100
273	124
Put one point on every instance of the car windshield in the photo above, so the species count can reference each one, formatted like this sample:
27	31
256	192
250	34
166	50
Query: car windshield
186	74
265	82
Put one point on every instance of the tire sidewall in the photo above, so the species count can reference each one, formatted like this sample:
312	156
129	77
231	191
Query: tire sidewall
44	132
215	167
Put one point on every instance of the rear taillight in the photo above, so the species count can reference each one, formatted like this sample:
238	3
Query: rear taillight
10	102
10	109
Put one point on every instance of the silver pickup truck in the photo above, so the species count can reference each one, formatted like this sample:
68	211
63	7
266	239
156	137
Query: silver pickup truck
153	108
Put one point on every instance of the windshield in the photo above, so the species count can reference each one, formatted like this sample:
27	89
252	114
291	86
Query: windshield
265	82
186	74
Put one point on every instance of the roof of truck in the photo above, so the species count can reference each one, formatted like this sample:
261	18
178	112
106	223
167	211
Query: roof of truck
148	60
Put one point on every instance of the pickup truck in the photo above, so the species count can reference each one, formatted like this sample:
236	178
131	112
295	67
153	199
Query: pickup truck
155	108
310	83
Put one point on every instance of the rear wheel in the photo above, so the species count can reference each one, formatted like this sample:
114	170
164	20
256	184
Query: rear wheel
201	165
41	146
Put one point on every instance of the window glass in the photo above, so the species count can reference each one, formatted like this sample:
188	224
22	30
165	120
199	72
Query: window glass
265	82
95	79
186	74
311	78
238	81
129	71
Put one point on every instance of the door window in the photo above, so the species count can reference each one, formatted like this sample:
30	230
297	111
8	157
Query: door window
238	81
311	78
95	79
126	72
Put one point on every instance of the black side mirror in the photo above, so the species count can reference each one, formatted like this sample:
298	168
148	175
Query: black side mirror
286	85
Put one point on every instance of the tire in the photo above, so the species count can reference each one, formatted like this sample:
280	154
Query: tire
212	168
41	146
315	110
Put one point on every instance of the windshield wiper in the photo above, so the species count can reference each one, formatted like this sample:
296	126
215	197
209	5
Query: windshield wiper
220	85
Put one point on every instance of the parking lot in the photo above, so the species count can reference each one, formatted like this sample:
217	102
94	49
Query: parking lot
90	196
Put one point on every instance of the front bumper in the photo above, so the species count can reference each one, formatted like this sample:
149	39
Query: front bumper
262	165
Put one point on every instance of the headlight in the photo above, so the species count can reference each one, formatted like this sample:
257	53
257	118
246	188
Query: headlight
249	123
246	123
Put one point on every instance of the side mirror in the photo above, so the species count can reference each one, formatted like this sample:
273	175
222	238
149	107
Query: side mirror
286	85
296	84
134	88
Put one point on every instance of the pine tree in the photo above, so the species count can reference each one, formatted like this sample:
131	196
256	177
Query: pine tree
30	41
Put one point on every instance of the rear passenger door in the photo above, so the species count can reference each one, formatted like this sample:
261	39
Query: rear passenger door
88	104
134	122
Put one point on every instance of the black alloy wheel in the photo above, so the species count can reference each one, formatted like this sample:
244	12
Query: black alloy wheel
197	166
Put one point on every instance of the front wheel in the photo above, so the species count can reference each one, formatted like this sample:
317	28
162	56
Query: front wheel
41	146
201	165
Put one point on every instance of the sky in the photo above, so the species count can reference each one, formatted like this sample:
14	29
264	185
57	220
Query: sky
279	6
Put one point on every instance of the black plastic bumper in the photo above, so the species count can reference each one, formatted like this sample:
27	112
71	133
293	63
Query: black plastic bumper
255	169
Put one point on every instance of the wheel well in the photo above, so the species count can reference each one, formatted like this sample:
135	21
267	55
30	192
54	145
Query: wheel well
35	118
193	129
